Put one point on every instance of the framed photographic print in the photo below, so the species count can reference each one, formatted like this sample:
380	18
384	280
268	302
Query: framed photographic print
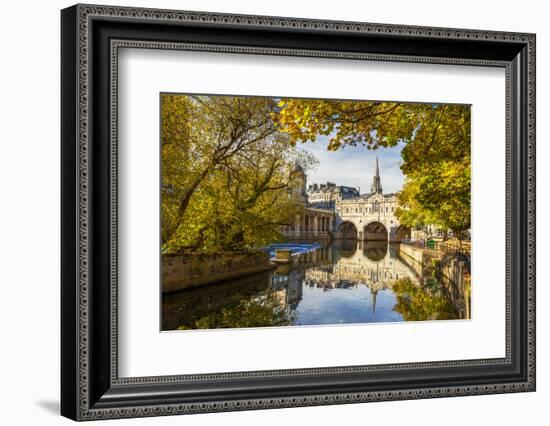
263	212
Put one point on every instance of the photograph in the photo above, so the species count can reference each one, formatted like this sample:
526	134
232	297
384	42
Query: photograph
285	211
270	207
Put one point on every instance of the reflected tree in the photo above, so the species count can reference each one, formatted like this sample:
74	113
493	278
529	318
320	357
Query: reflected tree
262	310
419	303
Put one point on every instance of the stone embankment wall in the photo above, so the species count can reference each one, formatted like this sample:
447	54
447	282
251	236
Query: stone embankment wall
413	257
449	269
192	270
453	274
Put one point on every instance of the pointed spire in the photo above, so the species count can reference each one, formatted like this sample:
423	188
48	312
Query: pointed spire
376	187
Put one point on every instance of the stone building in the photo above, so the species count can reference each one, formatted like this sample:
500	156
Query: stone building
298	184
315	223
370	216
341	212
326	195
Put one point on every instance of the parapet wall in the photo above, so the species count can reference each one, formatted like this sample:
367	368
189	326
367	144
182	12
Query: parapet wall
193	270
414	253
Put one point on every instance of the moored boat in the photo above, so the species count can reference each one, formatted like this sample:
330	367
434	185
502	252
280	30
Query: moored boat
282	256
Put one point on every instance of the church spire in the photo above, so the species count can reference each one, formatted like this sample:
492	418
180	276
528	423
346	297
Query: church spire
376	187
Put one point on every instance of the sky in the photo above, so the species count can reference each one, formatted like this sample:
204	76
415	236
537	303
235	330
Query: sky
355	165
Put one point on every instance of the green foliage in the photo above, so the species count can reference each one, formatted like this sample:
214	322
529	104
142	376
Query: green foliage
226	174
436	152
227	162
263	310
373	124
420	303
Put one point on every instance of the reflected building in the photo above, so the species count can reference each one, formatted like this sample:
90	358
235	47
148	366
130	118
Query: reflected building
372	264
286	282
344	282
341	265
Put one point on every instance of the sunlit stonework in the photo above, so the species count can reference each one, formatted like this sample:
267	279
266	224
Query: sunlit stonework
250	239
342	212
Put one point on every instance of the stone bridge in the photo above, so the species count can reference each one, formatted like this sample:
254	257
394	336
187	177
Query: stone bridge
348	223
369	220
342	213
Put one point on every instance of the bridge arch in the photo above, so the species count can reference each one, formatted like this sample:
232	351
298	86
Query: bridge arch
347	231
402	233
375	231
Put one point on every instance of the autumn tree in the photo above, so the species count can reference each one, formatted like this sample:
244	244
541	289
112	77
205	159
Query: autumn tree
263	310
226	171
436	152
259	187
440	195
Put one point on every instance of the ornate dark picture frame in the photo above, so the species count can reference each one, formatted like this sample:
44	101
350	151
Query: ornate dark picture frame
91	37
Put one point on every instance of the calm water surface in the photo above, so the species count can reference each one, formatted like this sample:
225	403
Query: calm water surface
342	283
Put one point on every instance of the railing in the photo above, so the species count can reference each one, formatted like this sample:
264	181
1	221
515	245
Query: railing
460	250
415	243
448	245
306	234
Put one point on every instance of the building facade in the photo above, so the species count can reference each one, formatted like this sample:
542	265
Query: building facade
371	216
315	223
342	212
326	195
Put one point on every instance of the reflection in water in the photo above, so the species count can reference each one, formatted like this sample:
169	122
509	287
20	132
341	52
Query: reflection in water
343	283
420	303
376	250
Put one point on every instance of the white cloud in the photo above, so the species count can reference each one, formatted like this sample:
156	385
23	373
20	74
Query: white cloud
355	166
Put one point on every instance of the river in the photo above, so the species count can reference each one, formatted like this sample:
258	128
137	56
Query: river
342	283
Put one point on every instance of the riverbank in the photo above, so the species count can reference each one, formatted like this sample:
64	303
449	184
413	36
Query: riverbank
413	257
190	270
449	268
324	284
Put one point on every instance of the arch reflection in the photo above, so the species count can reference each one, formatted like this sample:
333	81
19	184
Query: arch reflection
375	250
